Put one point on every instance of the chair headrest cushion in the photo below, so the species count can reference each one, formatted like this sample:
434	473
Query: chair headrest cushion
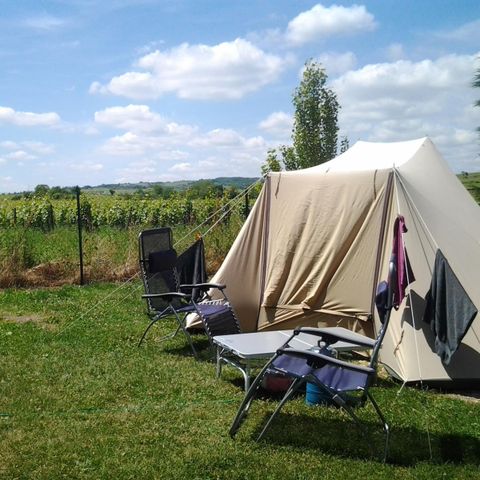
161	261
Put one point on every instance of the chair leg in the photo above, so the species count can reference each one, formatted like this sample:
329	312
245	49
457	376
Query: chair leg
171	335
293	388
247	399
181	324
247	374
384	423
219	362
155	320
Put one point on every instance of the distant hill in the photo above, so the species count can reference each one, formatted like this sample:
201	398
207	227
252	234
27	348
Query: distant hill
237	182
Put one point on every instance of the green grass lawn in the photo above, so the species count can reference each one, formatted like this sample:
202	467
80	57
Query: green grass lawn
79	399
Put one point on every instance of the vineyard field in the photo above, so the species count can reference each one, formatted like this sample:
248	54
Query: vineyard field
39	241
99	211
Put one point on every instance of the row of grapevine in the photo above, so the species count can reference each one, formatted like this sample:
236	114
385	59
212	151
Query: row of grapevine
105	211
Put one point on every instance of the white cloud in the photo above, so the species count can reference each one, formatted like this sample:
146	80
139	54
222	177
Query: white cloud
395	52
147	131
133	144
127	144
86	167
28	119
9	145
7	183
337	63
166	150
181	168
20	155
140	170
24	151
222	138
39	148
407	80
139	118
91	130
219	137
278	124
171	155
321	22
131	117
229	70
405	100
150	47
468	32
44	22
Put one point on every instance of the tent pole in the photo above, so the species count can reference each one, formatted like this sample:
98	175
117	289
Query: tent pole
381	240
263	271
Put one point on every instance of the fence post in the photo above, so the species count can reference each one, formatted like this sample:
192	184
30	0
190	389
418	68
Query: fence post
50	217
247	206
79	224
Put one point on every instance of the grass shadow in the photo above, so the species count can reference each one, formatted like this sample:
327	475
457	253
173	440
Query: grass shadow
340	437
204	350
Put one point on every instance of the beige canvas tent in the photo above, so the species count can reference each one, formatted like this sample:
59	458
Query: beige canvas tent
318	241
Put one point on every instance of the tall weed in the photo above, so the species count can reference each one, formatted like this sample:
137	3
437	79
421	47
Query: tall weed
32	257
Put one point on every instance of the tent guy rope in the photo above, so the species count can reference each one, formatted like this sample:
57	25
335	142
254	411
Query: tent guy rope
412	312
231	202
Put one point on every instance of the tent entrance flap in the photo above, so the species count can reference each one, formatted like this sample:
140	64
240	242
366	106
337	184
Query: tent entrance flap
322	248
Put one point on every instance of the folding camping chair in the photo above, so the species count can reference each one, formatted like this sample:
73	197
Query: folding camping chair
342	383
165	295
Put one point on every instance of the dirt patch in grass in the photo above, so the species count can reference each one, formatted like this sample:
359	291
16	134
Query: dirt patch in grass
48	274
56	274
22	319
466	396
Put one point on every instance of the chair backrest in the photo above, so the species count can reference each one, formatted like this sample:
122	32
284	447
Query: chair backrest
384	302
158	264
218	319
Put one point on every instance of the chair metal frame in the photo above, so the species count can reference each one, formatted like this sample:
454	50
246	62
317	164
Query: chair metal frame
312	365
179	303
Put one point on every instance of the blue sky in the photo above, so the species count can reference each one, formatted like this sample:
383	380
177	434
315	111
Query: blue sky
142	90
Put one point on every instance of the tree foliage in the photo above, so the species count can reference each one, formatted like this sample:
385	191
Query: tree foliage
476	84
315	128
272	164
344	144
204	189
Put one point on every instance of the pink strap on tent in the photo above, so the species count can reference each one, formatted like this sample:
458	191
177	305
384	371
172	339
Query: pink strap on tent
400	257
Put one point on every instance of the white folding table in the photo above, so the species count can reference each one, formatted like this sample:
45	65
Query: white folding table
245	350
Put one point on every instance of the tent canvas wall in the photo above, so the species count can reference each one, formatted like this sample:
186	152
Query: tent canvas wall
318	241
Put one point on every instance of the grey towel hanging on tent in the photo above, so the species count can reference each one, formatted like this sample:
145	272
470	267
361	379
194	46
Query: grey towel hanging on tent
449	310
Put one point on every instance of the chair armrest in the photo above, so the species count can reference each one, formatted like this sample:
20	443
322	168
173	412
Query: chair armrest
329	337
322	360
204	286
166	295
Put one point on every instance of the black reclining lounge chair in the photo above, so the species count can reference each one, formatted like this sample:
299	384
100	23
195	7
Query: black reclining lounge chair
161	270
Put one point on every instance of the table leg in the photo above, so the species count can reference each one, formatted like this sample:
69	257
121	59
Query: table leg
219	362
